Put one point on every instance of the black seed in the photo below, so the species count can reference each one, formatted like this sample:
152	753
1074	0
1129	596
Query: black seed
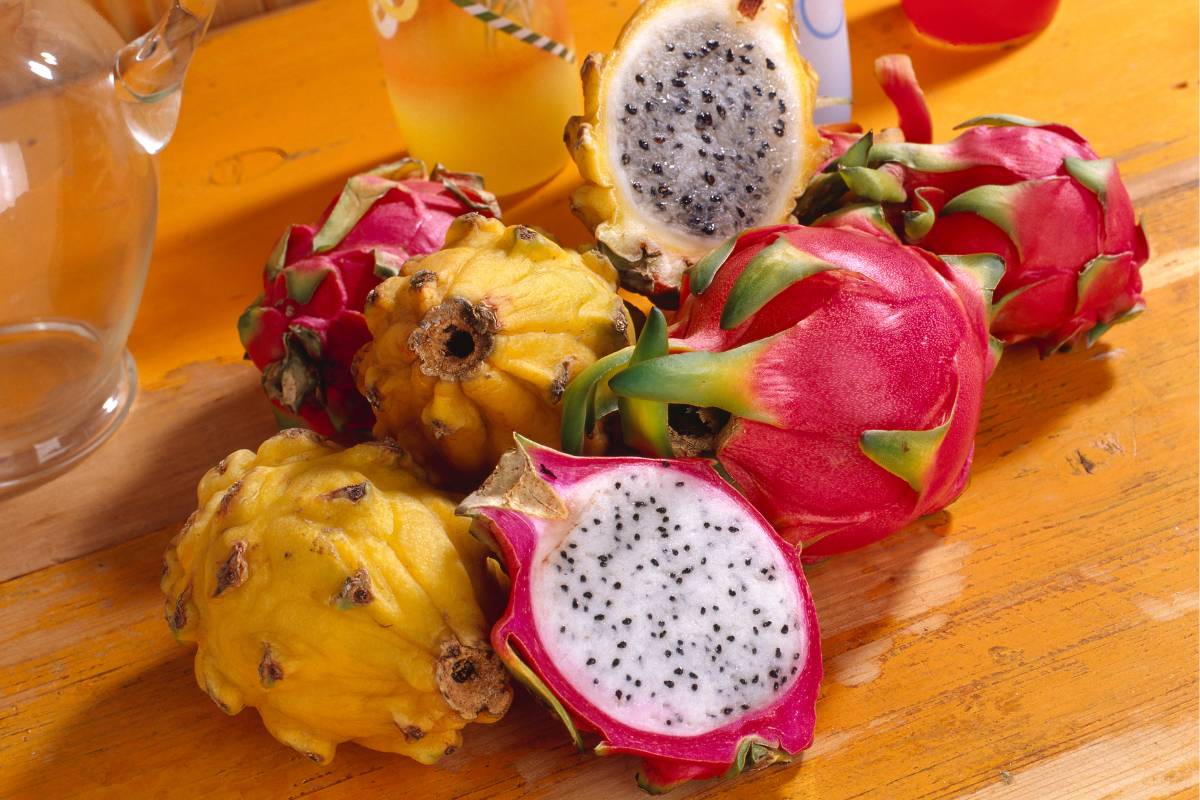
778	128
630	108
641	81
727	711
627	621
784	629
770	64
669	684
591	661
621	645
642	143
616	662
678	83
598	617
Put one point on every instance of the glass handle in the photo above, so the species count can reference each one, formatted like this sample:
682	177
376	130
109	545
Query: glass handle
148	72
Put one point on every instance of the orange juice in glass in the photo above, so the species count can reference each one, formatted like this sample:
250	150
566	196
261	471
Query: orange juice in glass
477	98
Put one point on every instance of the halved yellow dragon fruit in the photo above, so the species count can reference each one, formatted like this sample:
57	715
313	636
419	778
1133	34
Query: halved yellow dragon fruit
696	126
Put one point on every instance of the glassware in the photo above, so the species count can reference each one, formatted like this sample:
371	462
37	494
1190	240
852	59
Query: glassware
980	22
81	115
477	98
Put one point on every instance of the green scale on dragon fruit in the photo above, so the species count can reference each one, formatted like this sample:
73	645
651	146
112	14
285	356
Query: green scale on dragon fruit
835	374
305	329
653	606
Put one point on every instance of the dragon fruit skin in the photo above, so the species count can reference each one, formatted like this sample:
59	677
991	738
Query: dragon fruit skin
522	508
1041	198
855	382
305	329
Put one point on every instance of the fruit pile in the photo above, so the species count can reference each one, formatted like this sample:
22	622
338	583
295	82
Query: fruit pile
838	301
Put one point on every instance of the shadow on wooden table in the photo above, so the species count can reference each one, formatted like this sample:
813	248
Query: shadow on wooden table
1027	397
887	30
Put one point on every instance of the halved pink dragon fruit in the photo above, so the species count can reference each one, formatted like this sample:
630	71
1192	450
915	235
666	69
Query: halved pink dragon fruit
836	374
652	605
306	327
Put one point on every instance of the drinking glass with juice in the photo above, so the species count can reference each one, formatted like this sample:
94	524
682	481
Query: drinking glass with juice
480	94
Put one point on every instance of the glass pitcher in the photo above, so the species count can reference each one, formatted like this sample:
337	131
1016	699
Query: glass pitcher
81	116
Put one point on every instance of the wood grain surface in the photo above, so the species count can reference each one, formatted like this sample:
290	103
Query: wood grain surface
1036	640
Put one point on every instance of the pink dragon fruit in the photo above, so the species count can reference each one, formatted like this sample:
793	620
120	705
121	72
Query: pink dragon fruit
306	327
653	606
850	369
1037	195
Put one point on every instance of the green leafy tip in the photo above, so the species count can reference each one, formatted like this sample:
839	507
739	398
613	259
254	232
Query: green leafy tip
722	380
917	224
994	203
584	402
983	269
873	184
303	284
773	269
275	262
1000	121
1095	174
521	671
644	422
909	455
702	273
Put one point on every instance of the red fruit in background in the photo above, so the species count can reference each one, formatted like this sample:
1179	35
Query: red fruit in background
305	329
978	22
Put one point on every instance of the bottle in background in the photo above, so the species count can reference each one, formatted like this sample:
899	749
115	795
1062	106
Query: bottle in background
821	31
477	98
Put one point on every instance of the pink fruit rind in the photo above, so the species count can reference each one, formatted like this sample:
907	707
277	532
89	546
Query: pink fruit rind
773	732
894	339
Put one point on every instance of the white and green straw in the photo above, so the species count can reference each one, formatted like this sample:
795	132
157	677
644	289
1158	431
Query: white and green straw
506	25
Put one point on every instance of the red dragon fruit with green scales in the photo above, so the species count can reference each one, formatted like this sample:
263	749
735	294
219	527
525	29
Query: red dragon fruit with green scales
651	605
837	374
305	329
1037	195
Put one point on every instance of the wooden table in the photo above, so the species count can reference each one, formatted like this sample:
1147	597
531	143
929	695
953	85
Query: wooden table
1038	640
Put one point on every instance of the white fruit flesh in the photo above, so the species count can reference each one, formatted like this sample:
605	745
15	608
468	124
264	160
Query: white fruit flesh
703	125
667	605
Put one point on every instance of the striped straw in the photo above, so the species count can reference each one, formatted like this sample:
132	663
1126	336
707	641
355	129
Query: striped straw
506	25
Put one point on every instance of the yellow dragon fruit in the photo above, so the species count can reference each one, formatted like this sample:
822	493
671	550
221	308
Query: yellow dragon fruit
338	594
479	340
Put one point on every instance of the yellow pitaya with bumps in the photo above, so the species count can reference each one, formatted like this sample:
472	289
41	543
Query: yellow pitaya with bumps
338	594
480	339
